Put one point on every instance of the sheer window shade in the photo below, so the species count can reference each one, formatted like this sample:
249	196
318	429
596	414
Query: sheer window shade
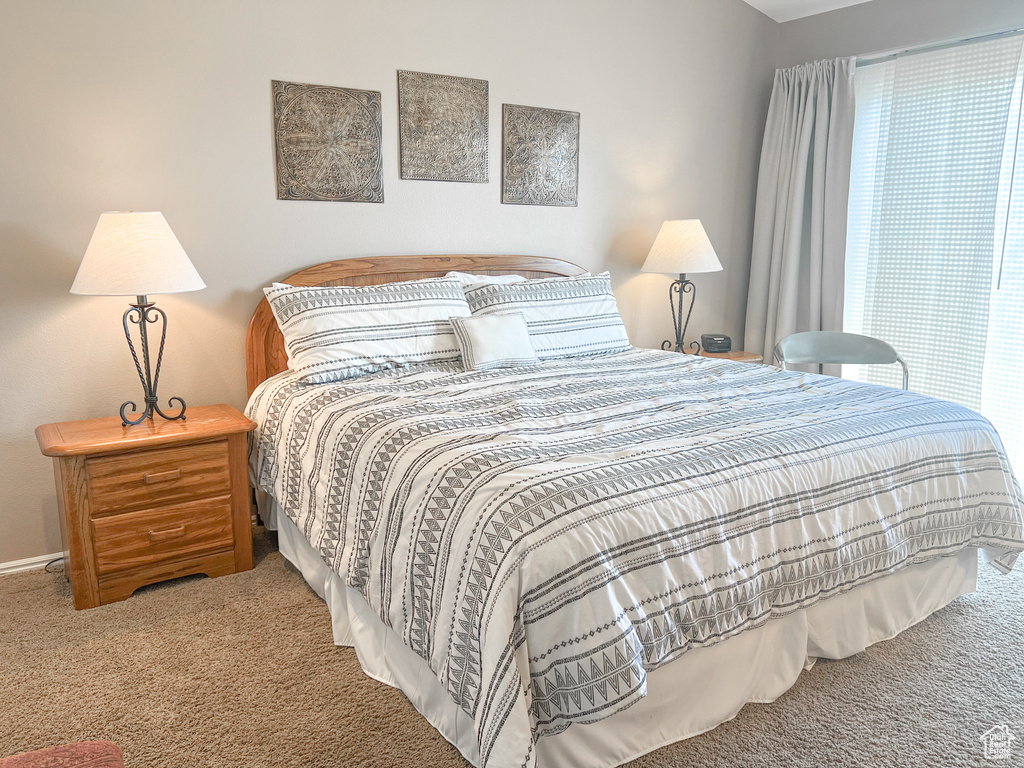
935	141
1003	371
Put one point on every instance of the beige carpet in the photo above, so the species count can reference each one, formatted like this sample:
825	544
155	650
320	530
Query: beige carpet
241	672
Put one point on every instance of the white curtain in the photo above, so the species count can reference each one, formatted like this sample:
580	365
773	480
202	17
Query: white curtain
797	262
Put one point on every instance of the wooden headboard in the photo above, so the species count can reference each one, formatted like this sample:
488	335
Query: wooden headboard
265	354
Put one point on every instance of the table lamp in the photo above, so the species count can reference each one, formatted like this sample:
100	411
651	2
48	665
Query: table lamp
137	254
681	247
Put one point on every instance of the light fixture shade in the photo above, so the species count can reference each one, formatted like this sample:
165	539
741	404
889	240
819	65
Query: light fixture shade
681	247
135	254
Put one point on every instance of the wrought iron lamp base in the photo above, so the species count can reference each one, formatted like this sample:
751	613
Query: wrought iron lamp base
675	297
144	313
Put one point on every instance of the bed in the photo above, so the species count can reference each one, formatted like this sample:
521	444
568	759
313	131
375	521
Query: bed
558	569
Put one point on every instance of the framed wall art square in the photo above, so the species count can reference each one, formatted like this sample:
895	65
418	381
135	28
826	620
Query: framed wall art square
327	143
540	152
442	127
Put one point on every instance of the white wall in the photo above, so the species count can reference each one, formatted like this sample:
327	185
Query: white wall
146	105
886	25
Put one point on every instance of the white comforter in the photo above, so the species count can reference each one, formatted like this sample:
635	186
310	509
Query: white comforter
544	538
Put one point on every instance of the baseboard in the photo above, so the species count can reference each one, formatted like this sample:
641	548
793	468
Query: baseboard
29	563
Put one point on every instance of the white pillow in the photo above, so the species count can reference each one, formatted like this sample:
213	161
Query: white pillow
467	278
337	332
494	341
566	316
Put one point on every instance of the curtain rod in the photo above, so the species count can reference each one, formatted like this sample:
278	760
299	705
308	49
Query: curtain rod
878	58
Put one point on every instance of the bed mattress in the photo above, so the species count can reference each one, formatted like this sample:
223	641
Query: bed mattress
545	540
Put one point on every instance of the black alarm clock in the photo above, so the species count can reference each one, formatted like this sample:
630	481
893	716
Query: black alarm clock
715	342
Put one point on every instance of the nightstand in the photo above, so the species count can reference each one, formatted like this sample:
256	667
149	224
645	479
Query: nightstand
737	354
155	501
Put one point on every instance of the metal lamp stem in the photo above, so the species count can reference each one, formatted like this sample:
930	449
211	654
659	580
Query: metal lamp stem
675	297
144	313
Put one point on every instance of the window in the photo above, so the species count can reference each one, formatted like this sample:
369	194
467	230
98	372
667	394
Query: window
935	246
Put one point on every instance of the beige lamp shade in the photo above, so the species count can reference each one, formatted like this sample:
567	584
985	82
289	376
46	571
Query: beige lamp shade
135	254
680	247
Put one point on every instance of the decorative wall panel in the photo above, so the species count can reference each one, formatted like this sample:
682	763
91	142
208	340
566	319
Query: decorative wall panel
540	155
327	143
442	123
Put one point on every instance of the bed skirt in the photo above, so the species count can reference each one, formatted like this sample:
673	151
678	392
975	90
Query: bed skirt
700	690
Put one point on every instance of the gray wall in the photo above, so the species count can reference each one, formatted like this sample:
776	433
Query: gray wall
143	105
885	25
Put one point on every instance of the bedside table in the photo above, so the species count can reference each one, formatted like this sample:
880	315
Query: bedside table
737	354
145	503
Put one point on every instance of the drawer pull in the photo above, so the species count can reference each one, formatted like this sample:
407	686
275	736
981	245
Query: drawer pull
167	535
161	477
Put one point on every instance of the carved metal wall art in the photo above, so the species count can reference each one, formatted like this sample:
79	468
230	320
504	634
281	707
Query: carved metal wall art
327	143
442	125
540	155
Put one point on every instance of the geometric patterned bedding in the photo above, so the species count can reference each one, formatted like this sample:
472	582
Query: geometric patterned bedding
544	537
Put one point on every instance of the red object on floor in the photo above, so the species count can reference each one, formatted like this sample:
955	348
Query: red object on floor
84	754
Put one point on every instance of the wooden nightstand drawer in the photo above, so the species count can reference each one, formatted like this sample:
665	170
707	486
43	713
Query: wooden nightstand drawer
143	538
145	479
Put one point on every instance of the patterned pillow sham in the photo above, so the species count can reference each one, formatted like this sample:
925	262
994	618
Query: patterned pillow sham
566	316
494	341
338	332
